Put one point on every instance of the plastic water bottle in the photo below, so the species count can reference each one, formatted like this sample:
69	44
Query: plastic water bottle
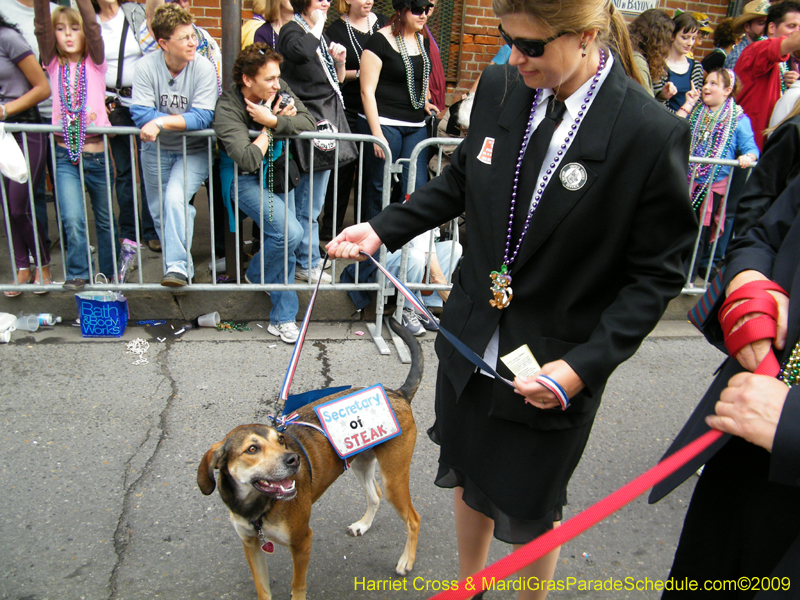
127	257
6	321
48	320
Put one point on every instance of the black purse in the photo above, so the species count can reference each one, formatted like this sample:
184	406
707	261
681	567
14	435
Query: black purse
279	174
329	116
118	115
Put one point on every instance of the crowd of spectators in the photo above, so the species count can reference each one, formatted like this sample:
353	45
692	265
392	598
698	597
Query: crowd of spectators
379	74
113	62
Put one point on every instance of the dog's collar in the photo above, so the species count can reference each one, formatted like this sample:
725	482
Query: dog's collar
281	423
303	449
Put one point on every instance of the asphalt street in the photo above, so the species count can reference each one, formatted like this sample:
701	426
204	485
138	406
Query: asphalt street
99	458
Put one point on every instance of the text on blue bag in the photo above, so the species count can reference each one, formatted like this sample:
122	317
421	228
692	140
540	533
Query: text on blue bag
101	315
358	421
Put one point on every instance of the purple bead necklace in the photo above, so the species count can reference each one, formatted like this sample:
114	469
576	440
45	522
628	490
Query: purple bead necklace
73	109
509	260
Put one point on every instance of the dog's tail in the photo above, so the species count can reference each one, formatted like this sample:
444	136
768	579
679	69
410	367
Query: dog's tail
409	387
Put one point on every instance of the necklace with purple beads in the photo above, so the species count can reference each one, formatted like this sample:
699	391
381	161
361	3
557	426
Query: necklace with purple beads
501	280
73	109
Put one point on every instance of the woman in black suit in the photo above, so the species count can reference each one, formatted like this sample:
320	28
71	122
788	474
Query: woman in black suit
590	222
743	519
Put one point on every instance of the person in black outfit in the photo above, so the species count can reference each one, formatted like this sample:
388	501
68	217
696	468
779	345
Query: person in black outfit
743	519
584	204
352	30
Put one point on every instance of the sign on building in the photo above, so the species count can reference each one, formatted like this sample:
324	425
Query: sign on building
635	6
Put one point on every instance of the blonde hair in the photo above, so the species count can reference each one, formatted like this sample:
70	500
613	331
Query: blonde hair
793	113
167	19
272	10
259	7
342	6
71	17
577	16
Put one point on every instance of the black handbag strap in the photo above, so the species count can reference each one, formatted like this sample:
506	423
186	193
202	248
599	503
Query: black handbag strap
121	52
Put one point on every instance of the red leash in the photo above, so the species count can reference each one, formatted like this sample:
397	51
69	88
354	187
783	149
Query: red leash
572	528
757	299
762	327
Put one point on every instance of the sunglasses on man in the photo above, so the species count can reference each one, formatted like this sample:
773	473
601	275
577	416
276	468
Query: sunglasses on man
531	48
418	10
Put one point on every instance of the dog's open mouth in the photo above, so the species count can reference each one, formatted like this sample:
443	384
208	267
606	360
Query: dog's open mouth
282	490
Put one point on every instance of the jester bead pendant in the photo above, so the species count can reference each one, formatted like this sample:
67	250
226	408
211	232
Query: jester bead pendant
501	288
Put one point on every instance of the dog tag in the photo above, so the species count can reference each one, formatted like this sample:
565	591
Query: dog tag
269	547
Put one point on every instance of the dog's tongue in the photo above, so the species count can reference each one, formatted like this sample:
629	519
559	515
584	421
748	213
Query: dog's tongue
280	488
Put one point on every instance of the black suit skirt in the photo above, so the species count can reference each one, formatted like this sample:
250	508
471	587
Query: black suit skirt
511	473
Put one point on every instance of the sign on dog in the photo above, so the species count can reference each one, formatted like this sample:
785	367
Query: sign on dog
358	421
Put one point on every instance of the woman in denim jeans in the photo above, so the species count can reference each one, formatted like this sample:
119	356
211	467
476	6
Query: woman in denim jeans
252	103
314	70
395	77
71	48
174	90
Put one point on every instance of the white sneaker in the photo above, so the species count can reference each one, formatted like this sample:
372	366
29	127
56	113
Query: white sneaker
288	332
411	321
322	261
316	275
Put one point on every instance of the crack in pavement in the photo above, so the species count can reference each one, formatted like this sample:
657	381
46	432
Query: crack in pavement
326	362
122	534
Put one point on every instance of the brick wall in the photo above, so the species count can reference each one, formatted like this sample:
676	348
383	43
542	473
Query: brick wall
480	40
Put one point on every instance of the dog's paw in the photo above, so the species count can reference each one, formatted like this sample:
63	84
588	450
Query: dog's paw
358	528
402	568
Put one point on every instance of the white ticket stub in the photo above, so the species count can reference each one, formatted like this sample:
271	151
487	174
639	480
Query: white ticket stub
521	362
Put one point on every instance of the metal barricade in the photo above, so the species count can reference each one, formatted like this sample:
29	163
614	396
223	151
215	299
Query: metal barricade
363	141
692	285
364	144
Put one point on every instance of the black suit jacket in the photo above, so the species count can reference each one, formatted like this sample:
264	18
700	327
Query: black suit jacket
598	265
778	166
772	248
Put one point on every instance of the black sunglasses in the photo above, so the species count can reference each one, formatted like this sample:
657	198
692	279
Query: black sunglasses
532	48
418	10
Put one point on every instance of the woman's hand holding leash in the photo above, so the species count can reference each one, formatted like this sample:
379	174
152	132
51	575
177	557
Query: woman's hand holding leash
352	241
752	354
539	396
750	407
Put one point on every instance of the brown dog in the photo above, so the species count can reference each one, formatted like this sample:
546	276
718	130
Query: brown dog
269	480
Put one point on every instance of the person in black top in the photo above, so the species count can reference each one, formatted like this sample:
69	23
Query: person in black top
314	70
395	74
352	30
724	39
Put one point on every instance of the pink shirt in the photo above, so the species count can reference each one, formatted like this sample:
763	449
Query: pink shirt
96	92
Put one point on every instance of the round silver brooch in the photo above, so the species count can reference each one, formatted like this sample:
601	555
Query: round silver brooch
573	176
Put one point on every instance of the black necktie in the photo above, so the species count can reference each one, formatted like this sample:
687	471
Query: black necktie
532	164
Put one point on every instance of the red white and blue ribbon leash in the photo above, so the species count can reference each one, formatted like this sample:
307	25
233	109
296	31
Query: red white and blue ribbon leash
465	350
298	345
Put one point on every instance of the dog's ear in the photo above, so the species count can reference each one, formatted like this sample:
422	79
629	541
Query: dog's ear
205	472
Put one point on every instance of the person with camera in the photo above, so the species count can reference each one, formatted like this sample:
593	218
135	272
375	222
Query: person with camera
260	100
126	40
